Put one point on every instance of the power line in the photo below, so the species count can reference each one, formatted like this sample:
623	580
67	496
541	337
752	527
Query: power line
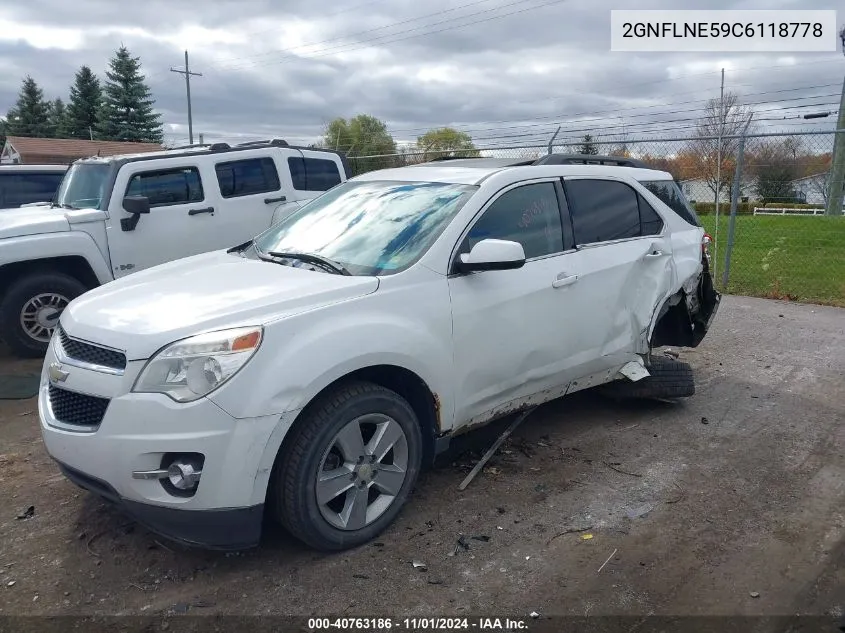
372	30
556	117
366	43
635	125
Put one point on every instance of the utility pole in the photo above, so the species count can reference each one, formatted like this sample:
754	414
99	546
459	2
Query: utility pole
740	156
719	173
188	74
837	168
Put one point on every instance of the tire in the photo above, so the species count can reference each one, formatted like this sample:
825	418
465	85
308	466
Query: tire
669	378
314	446
55	290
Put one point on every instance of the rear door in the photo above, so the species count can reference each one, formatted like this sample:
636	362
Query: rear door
251	187
312	173
624	264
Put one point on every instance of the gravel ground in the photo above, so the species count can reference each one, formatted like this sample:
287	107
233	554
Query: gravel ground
729	503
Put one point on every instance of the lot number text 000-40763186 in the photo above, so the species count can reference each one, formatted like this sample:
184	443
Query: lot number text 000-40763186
724	31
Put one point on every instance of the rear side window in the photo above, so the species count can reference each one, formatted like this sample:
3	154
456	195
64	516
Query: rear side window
165	187
246	177
602	210
672	196
313	174
650	221
28	187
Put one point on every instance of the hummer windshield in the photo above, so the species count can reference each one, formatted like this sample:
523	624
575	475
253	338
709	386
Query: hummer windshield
84	187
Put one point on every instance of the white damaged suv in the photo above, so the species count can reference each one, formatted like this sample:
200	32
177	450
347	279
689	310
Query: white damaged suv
312	371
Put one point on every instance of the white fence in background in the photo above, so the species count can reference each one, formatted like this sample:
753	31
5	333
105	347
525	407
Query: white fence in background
775	211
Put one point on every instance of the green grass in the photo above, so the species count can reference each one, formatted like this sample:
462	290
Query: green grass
782	257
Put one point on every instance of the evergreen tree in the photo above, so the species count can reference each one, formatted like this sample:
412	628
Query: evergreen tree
127	109
29	116
85	99
57	119
588	146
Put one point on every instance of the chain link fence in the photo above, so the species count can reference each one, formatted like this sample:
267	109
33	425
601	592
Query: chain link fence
783	245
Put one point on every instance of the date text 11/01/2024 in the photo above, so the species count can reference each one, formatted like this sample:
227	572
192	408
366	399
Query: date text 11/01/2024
371	625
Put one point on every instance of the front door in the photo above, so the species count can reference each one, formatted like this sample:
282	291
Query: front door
515	332
182	221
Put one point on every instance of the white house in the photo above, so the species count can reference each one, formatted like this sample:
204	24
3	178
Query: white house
698	190
813	187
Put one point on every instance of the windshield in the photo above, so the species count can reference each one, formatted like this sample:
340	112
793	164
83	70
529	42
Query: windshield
371	228
83	186
672	196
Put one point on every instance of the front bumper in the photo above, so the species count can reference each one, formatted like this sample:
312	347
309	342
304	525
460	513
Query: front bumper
135	432
233	529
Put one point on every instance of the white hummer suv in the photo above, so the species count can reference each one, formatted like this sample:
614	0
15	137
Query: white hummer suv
313	370
114	216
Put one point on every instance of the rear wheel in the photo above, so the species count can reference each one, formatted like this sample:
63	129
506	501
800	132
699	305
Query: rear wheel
30	310
669	379
348	467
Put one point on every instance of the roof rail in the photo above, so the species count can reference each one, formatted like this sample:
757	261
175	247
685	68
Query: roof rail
194	146
439	158
590	159
219	147
276	142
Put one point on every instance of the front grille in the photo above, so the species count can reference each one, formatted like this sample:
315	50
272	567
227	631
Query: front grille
93	354
77	409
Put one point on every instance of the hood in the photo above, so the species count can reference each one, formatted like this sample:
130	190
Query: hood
31	221
147	310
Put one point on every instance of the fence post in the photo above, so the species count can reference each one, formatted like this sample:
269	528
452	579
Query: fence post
740	155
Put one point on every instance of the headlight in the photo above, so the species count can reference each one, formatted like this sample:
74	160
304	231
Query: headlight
194	367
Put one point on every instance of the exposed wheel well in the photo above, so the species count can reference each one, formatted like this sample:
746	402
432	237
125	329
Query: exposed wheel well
408	385
673	324
73	265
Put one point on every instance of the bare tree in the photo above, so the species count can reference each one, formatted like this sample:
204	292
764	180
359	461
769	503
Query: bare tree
726	118
820	184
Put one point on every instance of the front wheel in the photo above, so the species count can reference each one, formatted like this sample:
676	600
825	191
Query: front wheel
30	310
348	467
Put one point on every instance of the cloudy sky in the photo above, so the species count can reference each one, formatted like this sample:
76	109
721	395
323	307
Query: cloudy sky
508	71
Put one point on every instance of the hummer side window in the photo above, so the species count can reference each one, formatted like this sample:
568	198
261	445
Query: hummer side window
247	177
165	187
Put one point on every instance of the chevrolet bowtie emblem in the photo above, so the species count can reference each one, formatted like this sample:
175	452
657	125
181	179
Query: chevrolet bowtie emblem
57	374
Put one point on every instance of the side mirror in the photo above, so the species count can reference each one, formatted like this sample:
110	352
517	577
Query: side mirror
137	206
493	254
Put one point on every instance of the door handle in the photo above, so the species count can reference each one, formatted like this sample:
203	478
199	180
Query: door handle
272	200
198	211
655	253
564	280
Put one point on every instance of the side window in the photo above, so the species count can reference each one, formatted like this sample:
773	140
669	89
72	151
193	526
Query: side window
650	222
247	177
24	188
313	174
166	187
529	215
602	210
673	197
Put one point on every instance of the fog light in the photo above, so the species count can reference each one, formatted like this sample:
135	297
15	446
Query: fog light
183	475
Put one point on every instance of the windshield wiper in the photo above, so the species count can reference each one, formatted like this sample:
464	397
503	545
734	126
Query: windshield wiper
311	258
